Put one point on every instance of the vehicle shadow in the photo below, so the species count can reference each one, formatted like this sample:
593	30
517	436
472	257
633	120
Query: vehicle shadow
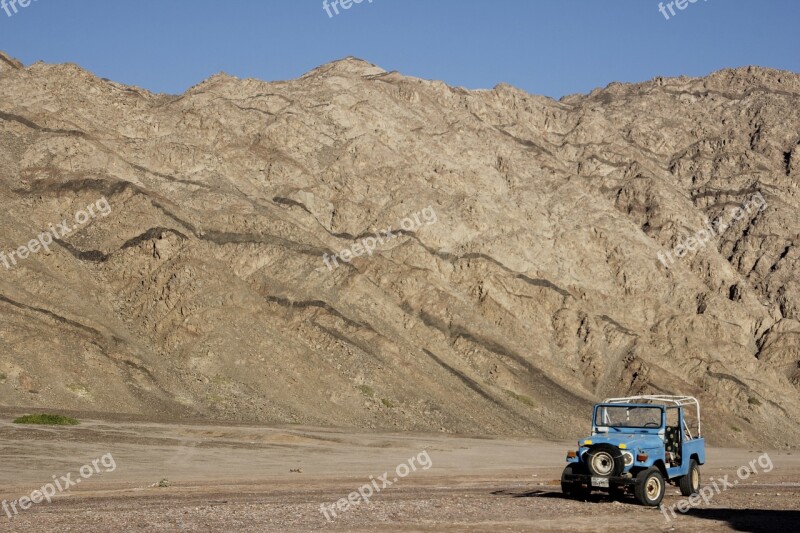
554	494
751	520
747	520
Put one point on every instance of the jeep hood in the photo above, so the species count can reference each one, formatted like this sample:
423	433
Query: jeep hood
632	441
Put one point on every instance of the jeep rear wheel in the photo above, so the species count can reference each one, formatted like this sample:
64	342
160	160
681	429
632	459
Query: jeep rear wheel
605	460
690	483
650	487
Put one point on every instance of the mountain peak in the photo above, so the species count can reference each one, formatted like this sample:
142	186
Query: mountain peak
348	66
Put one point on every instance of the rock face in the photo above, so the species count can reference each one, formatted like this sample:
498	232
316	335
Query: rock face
540	254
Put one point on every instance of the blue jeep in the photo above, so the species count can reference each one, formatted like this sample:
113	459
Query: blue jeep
639	444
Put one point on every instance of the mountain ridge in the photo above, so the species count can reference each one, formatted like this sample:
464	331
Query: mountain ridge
537	291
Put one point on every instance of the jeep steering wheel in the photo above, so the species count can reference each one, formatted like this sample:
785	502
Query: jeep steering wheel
651	424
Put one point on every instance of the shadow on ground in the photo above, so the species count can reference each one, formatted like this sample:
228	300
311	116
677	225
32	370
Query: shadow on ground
557	495
751	520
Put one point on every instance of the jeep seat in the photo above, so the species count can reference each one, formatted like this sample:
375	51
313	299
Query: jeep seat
672	440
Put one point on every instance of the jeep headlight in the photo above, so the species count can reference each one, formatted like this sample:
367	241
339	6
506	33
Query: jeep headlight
628	458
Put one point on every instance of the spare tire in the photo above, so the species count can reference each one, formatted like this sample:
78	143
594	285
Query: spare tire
605	460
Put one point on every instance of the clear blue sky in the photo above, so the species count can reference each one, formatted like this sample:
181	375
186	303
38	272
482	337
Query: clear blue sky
550	47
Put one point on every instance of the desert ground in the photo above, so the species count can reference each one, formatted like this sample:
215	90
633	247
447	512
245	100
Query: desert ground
200	477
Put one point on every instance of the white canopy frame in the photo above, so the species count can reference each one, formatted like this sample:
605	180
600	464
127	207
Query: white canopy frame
665	400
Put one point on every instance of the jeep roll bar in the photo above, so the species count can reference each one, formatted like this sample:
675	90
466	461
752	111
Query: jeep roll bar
678	401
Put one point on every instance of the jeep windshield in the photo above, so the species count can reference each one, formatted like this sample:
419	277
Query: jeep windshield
628	416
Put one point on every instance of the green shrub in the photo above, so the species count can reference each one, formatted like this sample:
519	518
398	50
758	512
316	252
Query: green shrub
47	420
387	403
521	398
366	390
753	401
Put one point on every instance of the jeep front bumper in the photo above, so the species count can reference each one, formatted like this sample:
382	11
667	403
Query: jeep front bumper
600	483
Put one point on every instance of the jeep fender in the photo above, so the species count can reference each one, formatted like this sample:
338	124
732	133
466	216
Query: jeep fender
658	463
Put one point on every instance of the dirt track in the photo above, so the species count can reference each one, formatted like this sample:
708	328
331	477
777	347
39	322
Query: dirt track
237	478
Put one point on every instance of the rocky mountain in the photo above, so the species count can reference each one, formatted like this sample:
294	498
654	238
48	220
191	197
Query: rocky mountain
361	248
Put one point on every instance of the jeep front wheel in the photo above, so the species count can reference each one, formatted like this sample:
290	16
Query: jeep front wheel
690	483
650	487
570	488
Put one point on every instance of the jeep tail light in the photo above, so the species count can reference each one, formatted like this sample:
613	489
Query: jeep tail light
572	455
642	457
